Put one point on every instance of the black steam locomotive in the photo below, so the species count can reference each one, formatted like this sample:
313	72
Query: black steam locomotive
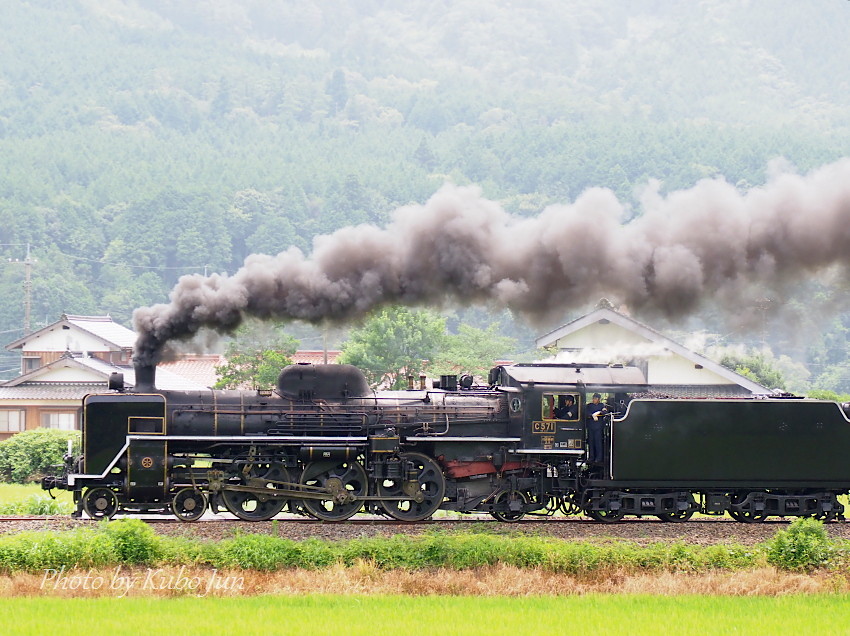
323	444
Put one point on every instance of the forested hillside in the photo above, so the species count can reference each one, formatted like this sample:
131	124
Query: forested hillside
140	141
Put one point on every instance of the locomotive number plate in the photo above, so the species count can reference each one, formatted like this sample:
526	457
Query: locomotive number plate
542	428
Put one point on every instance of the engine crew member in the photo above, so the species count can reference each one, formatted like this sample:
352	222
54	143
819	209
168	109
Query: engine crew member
594	415
566	408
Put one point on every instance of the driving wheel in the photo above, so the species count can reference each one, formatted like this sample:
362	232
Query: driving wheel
344	482
422	489
255	505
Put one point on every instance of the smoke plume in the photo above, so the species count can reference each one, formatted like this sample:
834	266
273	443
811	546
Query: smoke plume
709	241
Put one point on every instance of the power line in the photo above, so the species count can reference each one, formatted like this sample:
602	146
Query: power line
157	267
103	262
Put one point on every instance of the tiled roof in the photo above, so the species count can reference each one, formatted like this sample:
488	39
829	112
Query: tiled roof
50	391
199	369
165	379
102	327
315	356
190	373
699	391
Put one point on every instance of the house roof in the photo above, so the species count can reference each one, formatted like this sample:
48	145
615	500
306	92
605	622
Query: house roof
315	356
102	327
199	369
94	368
44	391
700	391
629	324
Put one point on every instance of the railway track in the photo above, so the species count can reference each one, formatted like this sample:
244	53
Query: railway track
700	531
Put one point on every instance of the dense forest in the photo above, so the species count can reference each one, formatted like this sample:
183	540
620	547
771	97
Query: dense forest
140	141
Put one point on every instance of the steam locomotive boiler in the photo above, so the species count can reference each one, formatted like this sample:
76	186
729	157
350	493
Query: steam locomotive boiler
324	444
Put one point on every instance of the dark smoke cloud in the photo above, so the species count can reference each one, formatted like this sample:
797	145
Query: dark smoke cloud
709	241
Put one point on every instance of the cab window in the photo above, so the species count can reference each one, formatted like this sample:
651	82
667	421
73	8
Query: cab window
557	406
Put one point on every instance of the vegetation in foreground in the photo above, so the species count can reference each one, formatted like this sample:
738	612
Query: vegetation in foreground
30	499
804	546
333	614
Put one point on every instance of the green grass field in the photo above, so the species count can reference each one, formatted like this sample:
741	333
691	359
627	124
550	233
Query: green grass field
31	499
353	615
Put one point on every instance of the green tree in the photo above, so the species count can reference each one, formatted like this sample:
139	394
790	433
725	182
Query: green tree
824	394
255	356
835	377
393	343
473	351
756	367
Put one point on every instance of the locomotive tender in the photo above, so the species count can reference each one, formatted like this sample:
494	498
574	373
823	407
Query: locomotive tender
324	444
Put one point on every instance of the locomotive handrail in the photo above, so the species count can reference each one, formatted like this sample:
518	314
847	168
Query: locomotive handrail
73	476
416	438
254	438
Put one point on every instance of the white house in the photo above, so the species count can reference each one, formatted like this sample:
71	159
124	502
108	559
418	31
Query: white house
65	361
607	336
89	336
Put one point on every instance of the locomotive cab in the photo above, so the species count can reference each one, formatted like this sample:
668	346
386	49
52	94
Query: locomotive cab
555	397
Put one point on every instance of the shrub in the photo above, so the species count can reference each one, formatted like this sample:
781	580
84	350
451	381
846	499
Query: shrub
133	541
40	550
805	545
262	552
29	455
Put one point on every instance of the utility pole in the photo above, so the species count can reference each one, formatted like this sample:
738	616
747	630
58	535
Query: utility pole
27	292
27	262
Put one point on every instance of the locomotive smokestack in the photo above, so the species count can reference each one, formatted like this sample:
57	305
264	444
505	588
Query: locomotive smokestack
145	377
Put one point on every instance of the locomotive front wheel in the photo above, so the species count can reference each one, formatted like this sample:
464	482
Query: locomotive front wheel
425	494
189	504
345	482
100	503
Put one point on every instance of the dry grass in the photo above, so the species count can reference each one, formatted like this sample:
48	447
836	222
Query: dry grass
364	578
